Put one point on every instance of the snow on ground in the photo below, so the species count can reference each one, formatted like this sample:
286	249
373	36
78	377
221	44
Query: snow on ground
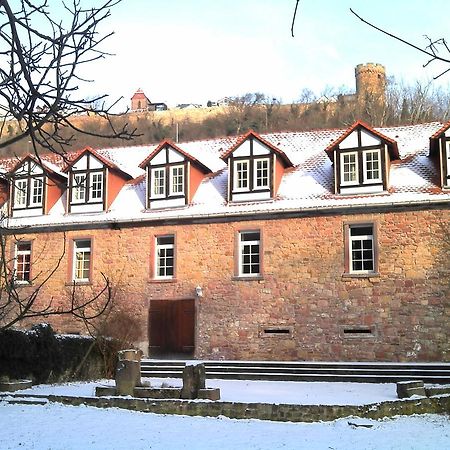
57	427
290	392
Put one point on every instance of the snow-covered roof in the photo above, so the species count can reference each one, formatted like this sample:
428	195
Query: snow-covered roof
306	187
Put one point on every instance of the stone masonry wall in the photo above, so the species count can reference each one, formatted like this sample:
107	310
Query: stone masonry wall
401	315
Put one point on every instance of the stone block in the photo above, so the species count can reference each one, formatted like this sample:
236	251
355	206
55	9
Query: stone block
209	394
407	389
194	378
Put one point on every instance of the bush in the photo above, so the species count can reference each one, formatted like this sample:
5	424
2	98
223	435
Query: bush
41	355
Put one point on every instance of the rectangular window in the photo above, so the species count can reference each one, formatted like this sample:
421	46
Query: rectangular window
249	253
37	191
20	193
261	173
176	180
82	260
158	188
349	168
165	251
96	186
22	262
241	175
361	249
372	170
79	188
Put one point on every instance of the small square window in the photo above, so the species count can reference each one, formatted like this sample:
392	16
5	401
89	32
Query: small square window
165	257
158	185
361	249
82	260
241	175
249	253
22	262
349	168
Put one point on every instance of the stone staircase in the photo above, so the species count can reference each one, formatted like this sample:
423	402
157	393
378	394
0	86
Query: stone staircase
363	372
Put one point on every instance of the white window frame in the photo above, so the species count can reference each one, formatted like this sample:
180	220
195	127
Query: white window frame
246	248
266	185
237	179
96	195
22	253
38	185
153	180
350	182
20	193
161	257
179	177
82	248
361	239
366	171
79	191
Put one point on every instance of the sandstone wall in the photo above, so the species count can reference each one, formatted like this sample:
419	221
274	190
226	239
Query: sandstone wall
401	315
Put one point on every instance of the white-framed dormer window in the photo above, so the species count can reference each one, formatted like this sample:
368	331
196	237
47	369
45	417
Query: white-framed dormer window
349	168
372	166
249	254
37	192
96	186
165	257
78	188
261	173
158	188
81	260
241	175
361	249
176	180
20	193
22	263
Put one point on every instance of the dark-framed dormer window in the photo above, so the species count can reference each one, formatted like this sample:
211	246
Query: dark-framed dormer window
255	168
167	182
361	159
87	184
172	176
28	189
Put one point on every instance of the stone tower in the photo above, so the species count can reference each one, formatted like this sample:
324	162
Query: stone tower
370	83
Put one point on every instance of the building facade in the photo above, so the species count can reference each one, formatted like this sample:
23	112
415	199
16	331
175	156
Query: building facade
321	245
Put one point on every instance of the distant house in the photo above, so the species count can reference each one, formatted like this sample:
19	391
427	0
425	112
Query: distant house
188	106
140	102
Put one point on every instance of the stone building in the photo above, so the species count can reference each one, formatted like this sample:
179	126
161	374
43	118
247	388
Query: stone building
140	102
318	245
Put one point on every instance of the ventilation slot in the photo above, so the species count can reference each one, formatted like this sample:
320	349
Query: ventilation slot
281	332
358	332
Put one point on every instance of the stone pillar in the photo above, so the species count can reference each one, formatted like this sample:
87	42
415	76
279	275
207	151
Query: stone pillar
128	371
194	379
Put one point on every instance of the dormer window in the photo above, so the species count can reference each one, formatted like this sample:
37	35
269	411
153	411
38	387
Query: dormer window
255	169
361	158
440	149
173	176
35	187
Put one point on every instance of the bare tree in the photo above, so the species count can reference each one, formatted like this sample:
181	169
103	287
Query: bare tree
41	62
42	54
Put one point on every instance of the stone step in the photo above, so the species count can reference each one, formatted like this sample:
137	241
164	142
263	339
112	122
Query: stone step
306	371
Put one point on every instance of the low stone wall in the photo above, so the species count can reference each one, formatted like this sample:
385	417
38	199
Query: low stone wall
262	411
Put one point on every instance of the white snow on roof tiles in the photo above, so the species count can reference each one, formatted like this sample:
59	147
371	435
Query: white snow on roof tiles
307	186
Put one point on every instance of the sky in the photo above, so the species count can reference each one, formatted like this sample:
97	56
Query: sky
181	51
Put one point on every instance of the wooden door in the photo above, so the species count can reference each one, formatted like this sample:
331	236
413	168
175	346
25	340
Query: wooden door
171	326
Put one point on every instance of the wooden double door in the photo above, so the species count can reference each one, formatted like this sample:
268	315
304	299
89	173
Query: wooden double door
171	327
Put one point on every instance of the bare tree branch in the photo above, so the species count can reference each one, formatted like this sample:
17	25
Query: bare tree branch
431	50
293	18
